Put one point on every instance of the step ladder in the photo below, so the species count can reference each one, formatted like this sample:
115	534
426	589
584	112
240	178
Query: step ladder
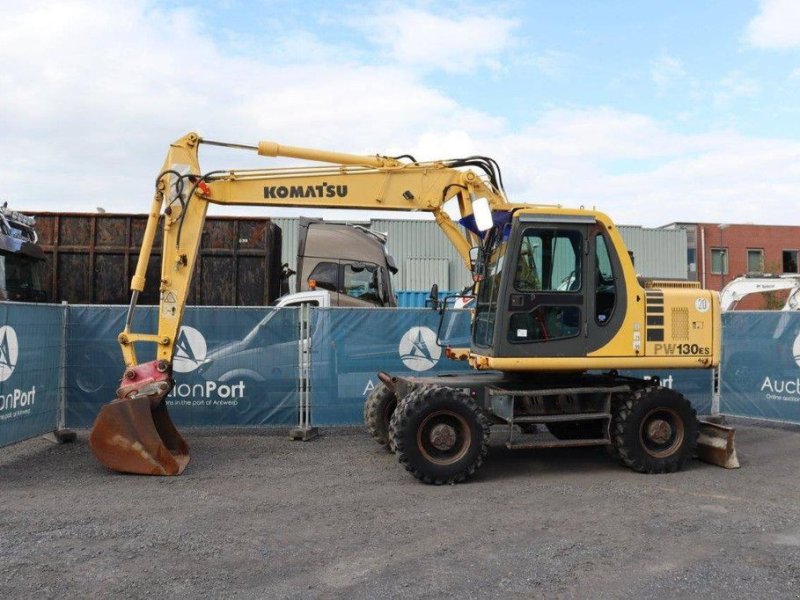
502	405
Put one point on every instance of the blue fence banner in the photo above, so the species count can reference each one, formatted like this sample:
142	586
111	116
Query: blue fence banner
30	369
239	366
760	372
349	347
232	366
696	384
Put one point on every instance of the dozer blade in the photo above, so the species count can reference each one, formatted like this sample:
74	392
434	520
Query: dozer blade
131	437
715	445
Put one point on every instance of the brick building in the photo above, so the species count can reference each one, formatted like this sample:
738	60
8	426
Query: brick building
719	252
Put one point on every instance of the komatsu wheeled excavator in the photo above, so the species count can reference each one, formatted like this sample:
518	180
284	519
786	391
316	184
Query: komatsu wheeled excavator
559	310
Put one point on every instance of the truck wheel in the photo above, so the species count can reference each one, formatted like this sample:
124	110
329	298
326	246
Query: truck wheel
654	431
440	435
576	430
378	411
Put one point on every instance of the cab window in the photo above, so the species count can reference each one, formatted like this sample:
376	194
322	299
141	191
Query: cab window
361	281
326	274
606	294
549	261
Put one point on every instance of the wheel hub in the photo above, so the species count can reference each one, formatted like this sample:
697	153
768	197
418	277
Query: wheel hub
660	431
443	437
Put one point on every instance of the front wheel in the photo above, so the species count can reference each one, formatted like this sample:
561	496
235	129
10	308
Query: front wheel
654	431
440	435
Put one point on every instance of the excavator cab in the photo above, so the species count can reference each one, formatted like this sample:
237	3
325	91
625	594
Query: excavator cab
551	286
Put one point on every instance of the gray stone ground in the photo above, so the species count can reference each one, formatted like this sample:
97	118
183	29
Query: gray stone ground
258	516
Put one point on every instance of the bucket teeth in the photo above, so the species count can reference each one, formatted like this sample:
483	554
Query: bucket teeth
130	436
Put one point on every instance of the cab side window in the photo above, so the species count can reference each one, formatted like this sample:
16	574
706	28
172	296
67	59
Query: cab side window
326	274
606	294
549	262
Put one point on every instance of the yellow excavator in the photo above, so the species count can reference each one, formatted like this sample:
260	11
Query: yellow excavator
557	301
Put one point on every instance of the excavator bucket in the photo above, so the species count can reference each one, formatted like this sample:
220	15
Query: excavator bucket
715	445
131	437
134	434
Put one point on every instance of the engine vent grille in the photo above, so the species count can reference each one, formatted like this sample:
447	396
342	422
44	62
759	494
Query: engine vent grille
661	284
680	323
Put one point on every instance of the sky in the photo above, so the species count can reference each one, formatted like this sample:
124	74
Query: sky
652	112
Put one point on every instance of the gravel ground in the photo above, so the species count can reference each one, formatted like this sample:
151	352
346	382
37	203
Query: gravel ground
258	516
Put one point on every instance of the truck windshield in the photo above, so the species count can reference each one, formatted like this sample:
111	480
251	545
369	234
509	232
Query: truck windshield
21	277
494	250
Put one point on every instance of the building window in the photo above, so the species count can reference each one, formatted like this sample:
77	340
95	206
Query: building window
719	261
755	260
790	261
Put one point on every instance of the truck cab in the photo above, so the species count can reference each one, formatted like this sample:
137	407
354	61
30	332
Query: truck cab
22	260
349	261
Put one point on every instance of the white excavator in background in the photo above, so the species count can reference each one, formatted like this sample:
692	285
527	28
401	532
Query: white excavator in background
746	285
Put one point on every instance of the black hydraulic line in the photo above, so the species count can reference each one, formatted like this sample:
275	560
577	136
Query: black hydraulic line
408	156
444	192
178	183
196	182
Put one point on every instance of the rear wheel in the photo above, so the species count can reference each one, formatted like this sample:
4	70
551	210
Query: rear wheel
378	410
654	431
440	435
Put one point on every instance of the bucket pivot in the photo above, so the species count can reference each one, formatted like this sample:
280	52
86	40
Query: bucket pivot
134	433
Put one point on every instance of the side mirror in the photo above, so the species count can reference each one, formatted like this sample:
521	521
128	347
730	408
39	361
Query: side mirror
482	213
435	296
476	265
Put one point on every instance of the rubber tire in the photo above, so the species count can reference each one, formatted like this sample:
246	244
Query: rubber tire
627	420
410	415
576	430
378	409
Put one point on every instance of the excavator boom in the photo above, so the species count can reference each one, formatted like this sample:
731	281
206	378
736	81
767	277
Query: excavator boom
133	433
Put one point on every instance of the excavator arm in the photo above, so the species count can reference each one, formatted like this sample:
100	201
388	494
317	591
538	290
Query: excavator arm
133	433
737	289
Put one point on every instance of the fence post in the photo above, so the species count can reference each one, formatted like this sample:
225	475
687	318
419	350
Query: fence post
716	384
304	431
61	434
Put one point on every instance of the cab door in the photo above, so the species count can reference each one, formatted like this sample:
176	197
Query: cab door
606	302
546	289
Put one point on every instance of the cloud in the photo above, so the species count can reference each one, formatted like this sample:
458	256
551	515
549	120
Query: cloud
87	118
776	26
565	157
423	39
735	85
665	71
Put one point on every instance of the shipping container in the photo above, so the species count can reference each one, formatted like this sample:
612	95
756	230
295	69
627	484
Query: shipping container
91	257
